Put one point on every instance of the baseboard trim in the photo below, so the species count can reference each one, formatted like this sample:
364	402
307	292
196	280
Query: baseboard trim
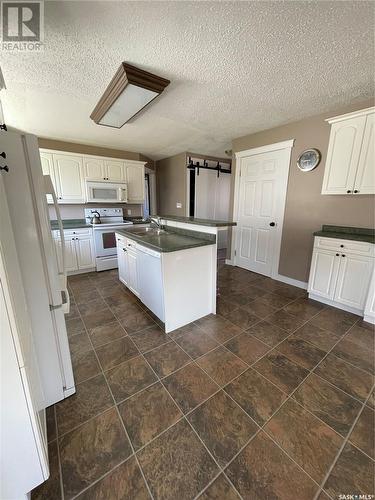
369	318
290	281
229	262
332	303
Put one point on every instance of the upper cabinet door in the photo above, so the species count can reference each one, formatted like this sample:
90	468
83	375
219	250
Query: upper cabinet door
115	170
343	155
47	168
94	169
135	178
69	177
365	178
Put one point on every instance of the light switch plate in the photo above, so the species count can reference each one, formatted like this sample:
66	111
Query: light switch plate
178	205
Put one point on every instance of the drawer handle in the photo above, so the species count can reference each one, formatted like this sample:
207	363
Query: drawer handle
356	191
343	255
337	254
341	246
348	191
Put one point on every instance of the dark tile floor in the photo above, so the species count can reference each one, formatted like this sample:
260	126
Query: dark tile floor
271	399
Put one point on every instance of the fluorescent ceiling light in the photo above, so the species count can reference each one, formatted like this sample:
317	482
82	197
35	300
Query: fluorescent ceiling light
130	90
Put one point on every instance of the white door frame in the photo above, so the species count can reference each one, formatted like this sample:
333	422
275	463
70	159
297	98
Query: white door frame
251	152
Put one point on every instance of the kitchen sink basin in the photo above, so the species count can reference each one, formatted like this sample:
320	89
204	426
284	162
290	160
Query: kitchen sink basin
144	231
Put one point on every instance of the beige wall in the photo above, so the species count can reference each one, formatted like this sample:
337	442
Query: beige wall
73	147
171	185
306	209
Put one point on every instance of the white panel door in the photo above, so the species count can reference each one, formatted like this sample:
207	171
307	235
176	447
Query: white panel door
94	169
69	178
323	273
115	170
85	252
46	160
344	148
263	179
365	178
353	280
205	193
135	178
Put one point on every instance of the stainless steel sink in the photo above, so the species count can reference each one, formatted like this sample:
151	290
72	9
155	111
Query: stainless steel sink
144	231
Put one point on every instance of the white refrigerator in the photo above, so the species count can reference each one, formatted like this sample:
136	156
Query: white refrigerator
44	284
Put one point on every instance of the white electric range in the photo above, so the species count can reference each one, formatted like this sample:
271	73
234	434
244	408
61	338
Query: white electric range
104	235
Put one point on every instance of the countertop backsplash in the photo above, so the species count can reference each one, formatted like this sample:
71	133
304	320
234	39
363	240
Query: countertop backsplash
77	211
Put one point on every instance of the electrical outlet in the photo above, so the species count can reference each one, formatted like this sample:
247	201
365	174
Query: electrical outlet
178	205
129	211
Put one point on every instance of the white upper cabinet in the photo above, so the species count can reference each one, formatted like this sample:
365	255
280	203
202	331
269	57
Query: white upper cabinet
103	169
69	178
115	170
69	173
350	164
365	178
47	168
94	169
135	178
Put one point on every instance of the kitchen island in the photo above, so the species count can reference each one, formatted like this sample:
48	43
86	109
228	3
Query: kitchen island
171	269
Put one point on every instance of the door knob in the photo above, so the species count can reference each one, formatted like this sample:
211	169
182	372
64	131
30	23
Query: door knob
272	224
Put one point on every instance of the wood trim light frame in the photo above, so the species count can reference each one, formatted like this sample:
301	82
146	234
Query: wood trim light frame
130	90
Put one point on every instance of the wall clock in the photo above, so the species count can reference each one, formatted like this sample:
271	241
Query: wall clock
309	159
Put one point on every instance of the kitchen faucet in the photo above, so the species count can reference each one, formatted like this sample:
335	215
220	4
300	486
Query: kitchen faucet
156	221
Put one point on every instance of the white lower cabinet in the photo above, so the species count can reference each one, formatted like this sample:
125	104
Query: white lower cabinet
127	263
122	259
78	250
340	278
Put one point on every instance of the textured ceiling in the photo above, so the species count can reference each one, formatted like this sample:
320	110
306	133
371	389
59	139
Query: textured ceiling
235	68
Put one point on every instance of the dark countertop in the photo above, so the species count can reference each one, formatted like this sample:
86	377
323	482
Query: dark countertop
201	222
70	224
347	233
172	241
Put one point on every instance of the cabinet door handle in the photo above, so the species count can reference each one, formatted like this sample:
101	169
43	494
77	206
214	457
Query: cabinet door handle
356	191
124	249
341	246
343	255
272	224
348	191
337	255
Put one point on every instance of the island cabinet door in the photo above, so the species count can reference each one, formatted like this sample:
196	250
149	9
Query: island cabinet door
122	261
132	272
353	280
323	273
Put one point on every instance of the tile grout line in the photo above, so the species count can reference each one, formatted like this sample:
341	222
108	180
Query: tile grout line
344	443
119	416
184	417
221	388
124	428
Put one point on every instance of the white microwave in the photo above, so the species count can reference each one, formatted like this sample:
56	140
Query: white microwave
110	192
